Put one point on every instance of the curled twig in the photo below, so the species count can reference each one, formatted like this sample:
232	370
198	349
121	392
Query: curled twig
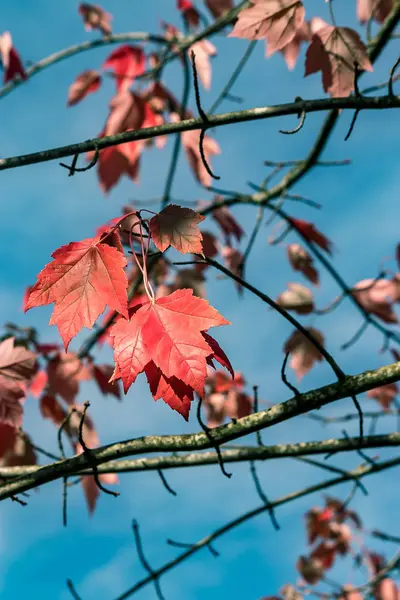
88	453
204	118
74	169
302	116
285	379
166	484
208	434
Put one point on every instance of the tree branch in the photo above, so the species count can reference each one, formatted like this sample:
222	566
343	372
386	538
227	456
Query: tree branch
301	404
253	114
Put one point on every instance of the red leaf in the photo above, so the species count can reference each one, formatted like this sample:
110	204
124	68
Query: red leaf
219	7
275	20
81	280
191	143
333	51
167	332
386	589
350	593
65	371
377	9
189	13
375	296
234	261
102	375
15	448
50	408
176	226
173	391
38	384
384	394
228	223
291	50
87	82
218	354
302	261
127	62
325	552
304	353
10	59
310	233
203	49
17	367
94	17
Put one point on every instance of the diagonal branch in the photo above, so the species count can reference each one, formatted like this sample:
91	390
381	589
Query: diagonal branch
301	404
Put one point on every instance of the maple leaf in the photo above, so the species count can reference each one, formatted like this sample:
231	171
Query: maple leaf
227	223
310	233
127	62
384	394
189	13
50	408
326	553
172	390
17	367
203	49
234	260
178	227
334	51
112	164
169	333
64	372
10	59
219	7
191	144
102	375
298	298
87	82
386	589
81	280
16	447
379	10
91	489
304	353
275	20
375	296
95	17
38	384
302	261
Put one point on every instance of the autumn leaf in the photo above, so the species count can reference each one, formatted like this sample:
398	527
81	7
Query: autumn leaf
378	10
310	233
191	144
311	569
189	13
275	20
177	227
127	62
112	165
94	17
334	51
64	373
10	59
203	50
169	333
384	394
219	7
298	298
16	448
87	82
234	260
375	296
172	390
81	280
227	222
302	261
38	383
303	352
102	375
17	367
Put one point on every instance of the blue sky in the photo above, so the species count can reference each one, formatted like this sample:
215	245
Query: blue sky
43	209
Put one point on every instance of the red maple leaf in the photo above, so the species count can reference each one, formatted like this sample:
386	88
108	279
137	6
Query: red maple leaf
302	261
189	13
377	9
275	20
127	62
176	226
81	280
334	51
17	367
303	352
87	82
95	17
64	372
310	233
227	223
102	374
384	394
168	332
10	58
